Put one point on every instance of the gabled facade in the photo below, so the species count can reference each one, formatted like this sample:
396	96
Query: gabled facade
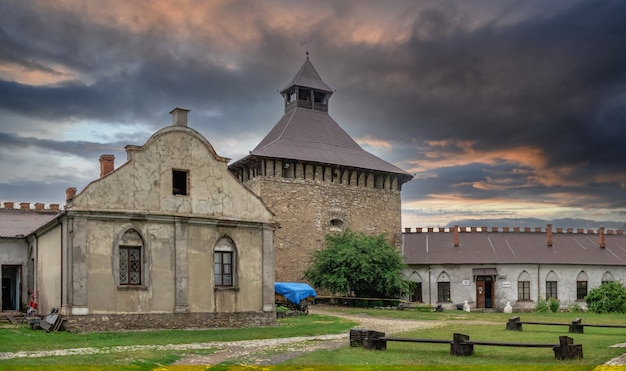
317	179
170	239
490	267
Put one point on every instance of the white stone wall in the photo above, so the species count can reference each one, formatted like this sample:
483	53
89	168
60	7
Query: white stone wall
463	286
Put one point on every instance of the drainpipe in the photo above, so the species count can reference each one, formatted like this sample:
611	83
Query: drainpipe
430	302
538	282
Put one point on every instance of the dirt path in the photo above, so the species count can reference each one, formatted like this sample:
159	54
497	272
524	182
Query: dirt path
275	351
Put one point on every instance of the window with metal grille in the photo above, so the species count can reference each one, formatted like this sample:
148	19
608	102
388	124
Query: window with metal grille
223	261
581	290
523	290
130	265
551	291
443	291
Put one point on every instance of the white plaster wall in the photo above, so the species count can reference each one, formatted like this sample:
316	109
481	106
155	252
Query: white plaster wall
506	282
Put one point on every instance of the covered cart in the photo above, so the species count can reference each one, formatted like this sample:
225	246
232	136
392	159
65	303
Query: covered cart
294	295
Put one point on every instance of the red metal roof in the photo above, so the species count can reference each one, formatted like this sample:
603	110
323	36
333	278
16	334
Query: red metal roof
15	223
513	248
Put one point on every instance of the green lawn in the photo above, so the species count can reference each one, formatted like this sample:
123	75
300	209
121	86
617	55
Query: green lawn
479	326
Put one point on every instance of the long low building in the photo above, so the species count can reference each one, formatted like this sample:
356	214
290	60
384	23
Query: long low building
489	267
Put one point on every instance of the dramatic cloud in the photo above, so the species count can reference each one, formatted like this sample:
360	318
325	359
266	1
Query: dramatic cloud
499	108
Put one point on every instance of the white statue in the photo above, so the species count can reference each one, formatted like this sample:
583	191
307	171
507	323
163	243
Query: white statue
508	308
466	306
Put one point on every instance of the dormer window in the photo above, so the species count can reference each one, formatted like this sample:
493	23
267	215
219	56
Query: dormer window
180	182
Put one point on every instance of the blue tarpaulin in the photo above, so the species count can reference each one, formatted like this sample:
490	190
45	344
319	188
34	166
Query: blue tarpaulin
294	291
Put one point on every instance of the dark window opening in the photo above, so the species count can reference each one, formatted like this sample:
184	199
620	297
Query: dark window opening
523	290
223	268
581	290
179	182
130	265
443	291
551	291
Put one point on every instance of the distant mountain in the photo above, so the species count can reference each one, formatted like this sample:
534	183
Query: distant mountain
534	222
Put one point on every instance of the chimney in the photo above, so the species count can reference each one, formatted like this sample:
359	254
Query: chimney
179	116
619	232
494	229
430	229
570	230
515	229
8	205
559	230
25	206
456	236
580	230
107	165
526	229
549	233
484	229
602	240
407	230
538	229
70	193
39	206
505	229
418	229
54	207
473	229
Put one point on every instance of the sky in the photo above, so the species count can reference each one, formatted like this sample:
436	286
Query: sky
499	108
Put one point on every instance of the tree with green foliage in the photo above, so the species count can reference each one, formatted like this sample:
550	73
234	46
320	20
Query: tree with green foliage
359	263
607	298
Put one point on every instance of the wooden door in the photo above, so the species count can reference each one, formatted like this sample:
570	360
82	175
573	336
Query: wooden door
480	293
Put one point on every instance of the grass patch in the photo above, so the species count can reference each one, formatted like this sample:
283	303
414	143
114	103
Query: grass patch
24	339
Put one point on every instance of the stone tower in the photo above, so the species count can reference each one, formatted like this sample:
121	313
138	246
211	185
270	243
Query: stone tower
317	179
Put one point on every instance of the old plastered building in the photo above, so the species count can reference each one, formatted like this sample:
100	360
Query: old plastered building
317	179
170	239
17	225
489	267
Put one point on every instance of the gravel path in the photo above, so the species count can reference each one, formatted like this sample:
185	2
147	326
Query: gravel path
267	351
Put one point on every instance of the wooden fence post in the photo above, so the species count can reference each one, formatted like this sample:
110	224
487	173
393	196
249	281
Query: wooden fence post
567	349
514	324
576	327
458	347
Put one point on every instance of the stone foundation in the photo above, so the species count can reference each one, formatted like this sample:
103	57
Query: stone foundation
159	321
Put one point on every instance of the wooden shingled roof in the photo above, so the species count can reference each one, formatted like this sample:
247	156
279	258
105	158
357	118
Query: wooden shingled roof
516	247
310	135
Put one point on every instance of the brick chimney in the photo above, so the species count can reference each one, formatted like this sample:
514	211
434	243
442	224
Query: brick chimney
407	230
70	193
107	165
549	233
456	236
8	205
54	207
39	206
25	206
179	116
602	239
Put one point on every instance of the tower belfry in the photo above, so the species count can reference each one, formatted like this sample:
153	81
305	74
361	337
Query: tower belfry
317	179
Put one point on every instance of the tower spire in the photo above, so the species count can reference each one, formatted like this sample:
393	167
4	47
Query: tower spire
306	43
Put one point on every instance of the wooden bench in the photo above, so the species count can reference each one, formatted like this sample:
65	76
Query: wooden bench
575	327
461	345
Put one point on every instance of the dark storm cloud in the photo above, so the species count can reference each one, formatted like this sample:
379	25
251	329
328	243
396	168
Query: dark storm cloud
458	85
83	149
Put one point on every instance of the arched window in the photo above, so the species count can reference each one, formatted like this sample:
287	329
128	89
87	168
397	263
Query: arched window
581	285
607	277
224	259
523	286
130	259
551	285
443	288
415	287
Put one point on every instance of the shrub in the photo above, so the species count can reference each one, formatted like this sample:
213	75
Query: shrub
576	308
554	304
607	298
542	305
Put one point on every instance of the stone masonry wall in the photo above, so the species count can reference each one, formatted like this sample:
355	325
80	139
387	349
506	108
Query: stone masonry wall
115	322
306	207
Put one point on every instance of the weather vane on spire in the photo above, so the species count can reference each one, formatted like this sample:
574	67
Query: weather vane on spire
306	43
